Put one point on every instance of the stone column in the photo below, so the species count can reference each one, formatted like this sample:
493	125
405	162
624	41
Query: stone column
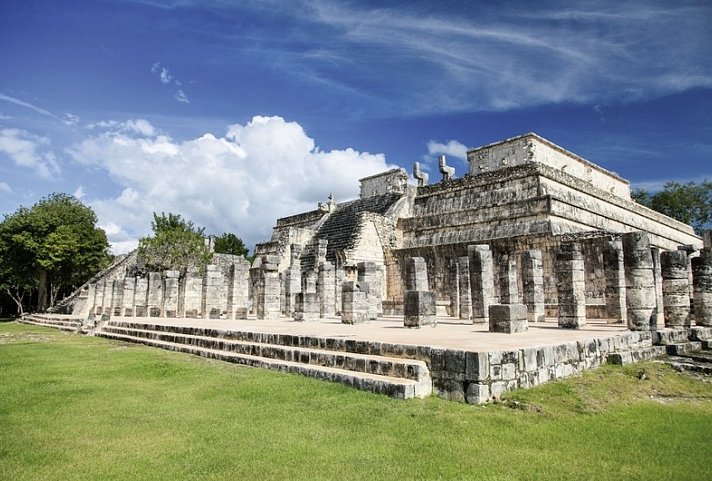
117	297
238	289
269	291
571	287
214	293
354	304
155	294
141	297
171	289
193	293
292	279
702	284
89	308
614	270
325	289
640	282
108	295
508	288
99	297
481	281
676	290
128	297
463	284
419	302
657	275
368	280
533	285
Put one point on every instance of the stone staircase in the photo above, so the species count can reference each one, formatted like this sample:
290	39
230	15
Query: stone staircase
688	349
333	360
63	322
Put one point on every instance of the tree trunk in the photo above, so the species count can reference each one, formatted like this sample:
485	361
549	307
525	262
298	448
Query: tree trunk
18	300
42	290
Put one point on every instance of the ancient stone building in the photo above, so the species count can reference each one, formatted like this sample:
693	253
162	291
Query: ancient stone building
529	224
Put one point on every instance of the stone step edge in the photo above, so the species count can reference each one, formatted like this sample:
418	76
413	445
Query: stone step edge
63	327
683	348
394	387
634	355
421	370
399	351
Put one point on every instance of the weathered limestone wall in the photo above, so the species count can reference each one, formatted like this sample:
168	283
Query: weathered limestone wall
393	181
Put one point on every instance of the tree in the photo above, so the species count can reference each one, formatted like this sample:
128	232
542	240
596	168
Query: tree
690	203
51	248
229	243
176	244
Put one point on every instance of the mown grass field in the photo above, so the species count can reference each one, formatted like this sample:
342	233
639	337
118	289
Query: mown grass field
75	407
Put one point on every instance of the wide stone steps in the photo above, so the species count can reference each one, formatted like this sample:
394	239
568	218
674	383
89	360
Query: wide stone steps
397	377
63	323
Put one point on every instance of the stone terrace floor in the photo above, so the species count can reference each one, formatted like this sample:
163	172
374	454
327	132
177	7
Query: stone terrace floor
449	333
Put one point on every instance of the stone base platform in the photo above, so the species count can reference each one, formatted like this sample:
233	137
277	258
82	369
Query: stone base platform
456	360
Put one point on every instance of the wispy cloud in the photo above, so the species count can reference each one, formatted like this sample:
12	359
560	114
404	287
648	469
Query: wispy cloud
167	78
27	105
29	151
452	147
4	187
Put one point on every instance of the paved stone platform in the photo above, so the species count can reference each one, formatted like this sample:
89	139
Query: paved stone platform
455	360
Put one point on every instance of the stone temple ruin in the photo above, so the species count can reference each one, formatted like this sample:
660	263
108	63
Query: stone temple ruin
532	234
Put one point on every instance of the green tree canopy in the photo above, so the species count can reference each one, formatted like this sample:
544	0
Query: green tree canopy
229	243
176	244
51	248
690	203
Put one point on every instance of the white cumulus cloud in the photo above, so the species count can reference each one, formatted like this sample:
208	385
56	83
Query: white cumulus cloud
29	151
240	182
452	147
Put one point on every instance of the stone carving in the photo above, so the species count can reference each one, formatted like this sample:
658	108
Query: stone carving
640	281
421	177
447	171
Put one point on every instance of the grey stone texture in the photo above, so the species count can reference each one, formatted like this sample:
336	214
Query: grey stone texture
354	304
155	294
533	285
170	293
269	288
641	300
464	294
481	281
571	287
675	287
326	286
702	284
508	280
508	318
214	298
419	309
615	289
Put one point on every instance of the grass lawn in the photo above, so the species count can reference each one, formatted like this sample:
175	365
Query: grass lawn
75	407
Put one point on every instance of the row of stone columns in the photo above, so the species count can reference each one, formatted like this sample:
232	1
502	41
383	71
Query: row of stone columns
167	294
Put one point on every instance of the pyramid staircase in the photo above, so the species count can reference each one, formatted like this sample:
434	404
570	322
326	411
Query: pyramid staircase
57	321
335	360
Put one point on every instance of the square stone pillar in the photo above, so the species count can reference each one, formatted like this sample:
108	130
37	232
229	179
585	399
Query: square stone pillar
269	288
508	288
354	304
171	289
463	284
141	297
508	318
214	302
99	297
369	282
614	270
640	282
675	287
238	289
418	303
325	289
108	295
481	281
127	307
306	307
533	285
659	315
702	285
117	297
292	279
571	287
193	294
155	294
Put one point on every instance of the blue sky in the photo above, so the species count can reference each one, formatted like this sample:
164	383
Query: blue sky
236	113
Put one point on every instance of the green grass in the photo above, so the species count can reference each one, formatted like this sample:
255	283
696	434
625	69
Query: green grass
75	407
